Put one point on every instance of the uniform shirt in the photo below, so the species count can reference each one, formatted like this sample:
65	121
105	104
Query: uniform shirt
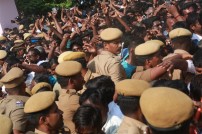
132	126
107	64
142	74
13	107
68	103
178	74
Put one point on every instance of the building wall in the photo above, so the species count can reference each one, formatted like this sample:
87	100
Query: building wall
8	11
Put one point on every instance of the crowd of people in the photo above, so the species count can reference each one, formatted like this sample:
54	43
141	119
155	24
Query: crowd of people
104	67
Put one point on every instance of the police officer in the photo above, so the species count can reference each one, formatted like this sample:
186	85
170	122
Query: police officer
43	112
129	92
108	63
6	125
13	105
167	110
3	55
182	44
73	56
70	79
148	57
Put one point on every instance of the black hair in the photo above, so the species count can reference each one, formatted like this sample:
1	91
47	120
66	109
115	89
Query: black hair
53	60
183	5
139	7
87	117
41	77
96	97
139	32
85	95
127	38
196	87
136	41
82	61
140	60
45	65
128	104
146	6
177	84
197	58
149	22
63	81
35	51
200	17
33	118
105	85
57	39
77	42
2	41
99	46
100	81
100	91
192	19
180	24
182	42
11	60
165	50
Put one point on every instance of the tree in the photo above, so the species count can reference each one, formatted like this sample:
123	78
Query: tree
40	7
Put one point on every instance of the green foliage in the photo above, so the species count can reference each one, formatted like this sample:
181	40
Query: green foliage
39	7
66	4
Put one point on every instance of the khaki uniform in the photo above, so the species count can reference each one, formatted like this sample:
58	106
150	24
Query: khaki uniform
142	74
88	76
178	74
132	126
68	103
107	64
13	107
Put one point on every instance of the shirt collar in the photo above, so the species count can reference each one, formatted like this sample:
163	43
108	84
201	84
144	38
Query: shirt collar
180	51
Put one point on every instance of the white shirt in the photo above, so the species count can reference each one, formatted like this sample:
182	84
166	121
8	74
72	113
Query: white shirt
114	118
31	75
191	67
196	37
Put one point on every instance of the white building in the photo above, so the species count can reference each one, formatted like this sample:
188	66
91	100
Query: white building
8	12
